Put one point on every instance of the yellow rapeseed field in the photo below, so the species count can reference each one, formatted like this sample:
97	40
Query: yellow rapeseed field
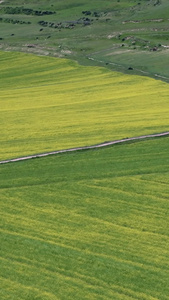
49	103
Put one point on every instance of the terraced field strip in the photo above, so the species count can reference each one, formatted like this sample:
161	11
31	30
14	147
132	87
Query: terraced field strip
105	144
49	103
83	226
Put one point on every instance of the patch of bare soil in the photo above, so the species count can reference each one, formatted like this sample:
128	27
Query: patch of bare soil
142	21
118	52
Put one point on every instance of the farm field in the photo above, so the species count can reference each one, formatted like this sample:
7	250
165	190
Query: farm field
50	103
88	225
128	33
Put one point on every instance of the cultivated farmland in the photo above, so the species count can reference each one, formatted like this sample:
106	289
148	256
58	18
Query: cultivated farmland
87	224
90	225
49	104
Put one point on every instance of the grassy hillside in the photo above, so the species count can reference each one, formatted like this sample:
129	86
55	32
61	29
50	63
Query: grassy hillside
89	225
49	104
118	34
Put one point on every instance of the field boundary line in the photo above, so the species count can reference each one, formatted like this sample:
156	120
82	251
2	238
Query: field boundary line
150	75
101	145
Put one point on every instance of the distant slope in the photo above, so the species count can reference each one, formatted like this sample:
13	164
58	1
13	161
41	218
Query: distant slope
118	34
82	226
49	104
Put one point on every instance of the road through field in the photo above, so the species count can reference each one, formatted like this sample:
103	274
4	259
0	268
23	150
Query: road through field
104	144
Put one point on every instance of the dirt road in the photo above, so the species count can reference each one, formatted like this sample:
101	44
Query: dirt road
104	144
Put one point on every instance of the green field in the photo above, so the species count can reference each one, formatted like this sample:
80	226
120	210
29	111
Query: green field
128	33
49	104
88	225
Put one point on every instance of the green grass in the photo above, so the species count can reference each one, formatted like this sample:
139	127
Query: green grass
83	41
49	104
88	225
91	224
147	62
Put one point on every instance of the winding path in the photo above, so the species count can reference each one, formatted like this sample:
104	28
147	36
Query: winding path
121	66
105	144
